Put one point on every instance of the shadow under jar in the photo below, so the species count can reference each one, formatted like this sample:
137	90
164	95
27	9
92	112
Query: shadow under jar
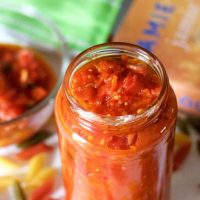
116	115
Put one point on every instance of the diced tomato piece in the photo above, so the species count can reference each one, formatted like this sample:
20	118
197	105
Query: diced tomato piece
114	83
105	66
26	58
125	58
86	78
146	93
143	104
5	100
103	92
155	91
38	93
118	142
138	69
88	93
132	84
7	104
101	79
11	112
122	142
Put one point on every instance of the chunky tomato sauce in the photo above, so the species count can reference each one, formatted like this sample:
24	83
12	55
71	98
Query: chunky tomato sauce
25	80
116	86
122	161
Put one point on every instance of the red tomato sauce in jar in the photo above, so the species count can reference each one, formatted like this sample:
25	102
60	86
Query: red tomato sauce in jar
116	86
25	80
116	116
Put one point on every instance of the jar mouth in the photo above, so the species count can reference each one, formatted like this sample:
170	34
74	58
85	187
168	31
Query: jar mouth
112	49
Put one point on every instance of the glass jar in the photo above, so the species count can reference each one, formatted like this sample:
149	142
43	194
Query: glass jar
93	171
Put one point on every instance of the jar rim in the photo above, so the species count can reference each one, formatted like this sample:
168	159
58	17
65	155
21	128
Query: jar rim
102	50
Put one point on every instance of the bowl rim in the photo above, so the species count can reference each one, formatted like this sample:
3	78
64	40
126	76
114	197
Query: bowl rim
32	12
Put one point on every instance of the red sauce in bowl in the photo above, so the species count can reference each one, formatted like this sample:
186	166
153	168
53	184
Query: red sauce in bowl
25	80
